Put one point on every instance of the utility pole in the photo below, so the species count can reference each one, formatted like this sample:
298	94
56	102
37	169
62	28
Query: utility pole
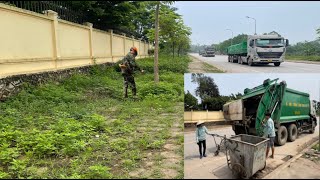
255	24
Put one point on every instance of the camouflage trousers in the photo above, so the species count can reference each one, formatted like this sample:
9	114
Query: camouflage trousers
129	80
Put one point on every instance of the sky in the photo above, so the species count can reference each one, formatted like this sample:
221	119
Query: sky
295	20
237	82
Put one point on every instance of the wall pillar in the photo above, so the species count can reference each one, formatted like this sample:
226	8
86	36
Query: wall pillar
55	38
90	25
139	47
124	43
111	37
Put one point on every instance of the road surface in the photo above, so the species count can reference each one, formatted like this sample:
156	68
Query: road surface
221	62
215	167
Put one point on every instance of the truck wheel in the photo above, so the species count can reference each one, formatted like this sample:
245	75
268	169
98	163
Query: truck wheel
281	136
228	58
277	64
292	132
239	60
250	63
313	127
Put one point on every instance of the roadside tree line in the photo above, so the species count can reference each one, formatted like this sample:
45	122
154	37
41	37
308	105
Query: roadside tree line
209	94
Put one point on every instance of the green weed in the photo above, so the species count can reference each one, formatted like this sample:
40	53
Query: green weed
80	126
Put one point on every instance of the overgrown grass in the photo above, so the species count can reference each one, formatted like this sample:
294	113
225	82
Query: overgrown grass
81	127
208	68
305	58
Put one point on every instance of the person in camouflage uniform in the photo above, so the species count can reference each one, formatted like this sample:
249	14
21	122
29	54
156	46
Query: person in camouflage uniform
128	66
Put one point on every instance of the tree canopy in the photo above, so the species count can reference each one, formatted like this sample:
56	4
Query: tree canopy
209	94
190	102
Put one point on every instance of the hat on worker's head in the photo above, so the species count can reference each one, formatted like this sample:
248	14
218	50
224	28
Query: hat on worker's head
200	122
267	114
135	49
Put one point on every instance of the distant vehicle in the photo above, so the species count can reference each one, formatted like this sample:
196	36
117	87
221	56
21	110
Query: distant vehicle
259	49
209	52
201	52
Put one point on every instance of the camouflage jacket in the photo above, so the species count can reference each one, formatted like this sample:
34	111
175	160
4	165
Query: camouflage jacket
129	61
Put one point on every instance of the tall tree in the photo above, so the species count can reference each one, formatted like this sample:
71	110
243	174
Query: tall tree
156	48
207	87
158	4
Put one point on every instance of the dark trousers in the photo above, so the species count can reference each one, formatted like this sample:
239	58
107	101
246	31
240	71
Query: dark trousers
129	81
202	143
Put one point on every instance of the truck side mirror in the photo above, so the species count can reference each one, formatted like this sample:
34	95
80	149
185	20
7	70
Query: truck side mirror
287	42
251	43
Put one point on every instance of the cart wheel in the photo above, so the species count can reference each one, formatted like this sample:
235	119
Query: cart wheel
265	165
239	171
216	153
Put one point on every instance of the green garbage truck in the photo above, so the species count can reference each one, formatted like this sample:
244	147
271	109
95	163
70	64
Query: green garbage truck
259	49
291	110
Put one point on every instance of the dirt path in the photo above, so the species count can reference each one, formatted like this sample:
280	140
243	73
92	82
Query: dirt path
167	162
197	66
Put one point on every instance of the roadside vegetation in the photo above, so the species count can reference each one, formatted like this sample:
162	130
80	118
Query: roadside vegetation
305	58
81	127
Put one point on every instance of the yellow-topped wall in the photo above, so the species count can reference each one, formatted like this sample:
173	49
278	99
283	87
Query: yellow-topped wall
33	42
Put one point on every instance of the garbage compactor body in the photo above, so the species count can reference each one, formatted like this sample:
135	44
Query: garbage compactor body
291	110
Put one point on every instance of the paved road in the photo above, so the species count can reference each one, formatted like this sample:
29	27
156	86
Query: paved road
221	62
215	167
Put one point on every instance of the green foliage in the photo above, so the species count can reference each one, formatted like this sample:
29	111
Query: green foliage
157	89
214	103
189	101
310	50
4	175
207	86
76	127
173	33
156	144
304	58
167	64
119	145
208	91
98	172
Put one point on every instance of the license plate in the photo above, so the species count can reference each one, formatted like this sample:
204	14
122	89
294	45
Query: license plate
269	60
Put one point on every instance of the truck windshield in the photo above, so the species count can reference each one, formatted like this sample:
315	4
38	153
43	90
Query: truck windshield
270	43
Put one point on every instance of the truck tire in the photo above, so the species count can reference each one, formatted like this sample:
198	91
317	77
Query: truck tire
235	59
281	136
250	63
277	64
228	58
313	127
239	60
292	132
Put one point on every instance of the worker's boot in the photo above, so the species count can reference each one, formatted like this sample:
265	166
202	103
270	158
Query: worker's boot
134	92
125	92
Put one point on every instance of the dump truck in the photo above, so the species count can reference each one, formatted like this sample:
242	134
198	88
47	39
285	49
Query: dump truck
208	52
291	110
259	49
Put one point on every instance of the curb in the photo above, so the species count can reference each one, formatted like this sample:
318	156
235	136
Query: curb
278	170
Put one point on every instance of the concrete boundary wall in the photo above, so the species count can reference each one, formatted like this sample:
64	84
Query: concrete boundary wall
207	116
33	43
12	85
